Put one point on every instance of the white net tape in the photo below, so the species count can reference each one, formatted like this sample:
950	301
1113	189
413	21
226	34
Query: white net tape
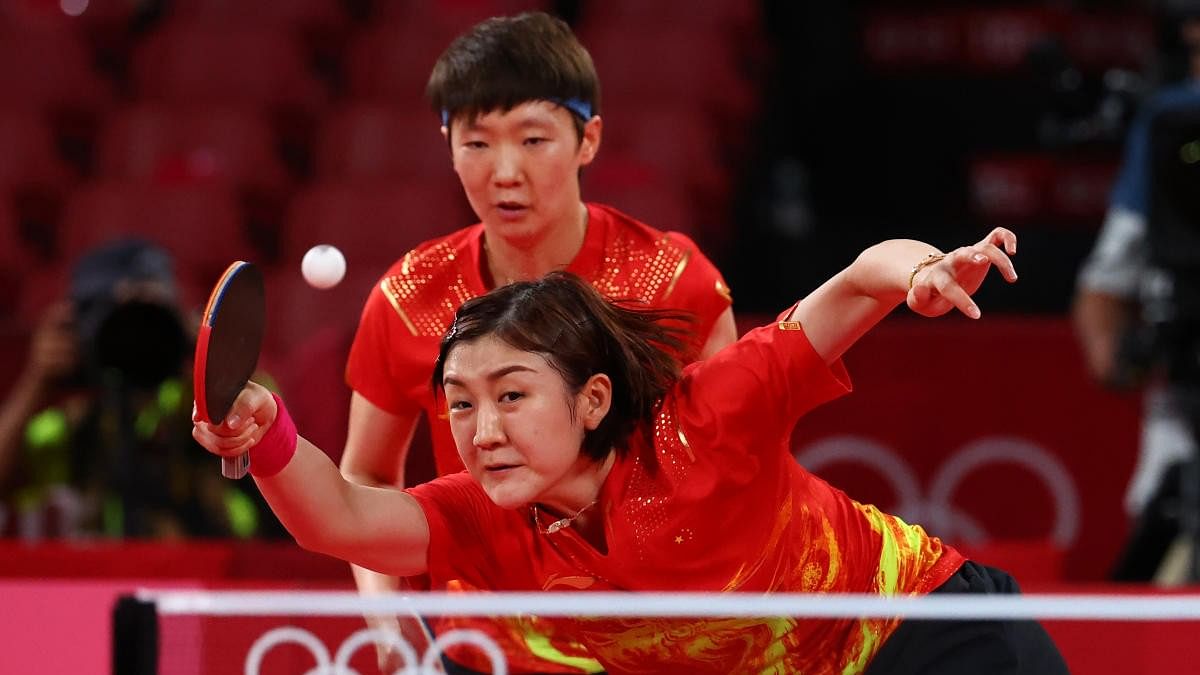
1073	607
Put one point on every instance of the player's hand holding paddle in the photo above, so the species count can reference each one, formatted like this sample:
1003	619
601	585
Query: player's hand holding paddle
945	282
227	347
248	420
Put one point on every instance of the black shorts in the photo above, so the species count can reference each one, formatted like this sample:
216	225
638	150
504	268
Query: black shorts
943	647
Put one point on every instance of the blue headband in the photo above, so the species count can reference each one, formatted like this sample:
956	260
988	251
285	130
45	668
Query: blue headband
581	108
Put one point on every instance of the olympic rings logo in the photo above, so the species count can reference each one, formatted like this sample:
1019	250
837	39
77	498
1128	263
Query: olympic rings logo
937	511
340	663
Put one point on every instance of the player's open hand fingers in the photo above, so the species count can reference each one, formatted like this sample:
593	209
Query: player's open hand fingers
996	257
1002	237
948	287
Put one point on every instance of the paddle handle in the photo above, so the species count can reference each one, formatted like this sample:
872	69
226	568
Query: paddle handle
235	467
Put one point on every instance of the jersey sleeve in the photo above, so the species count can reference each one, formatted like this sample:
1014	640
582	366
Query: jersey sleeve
700	289
749	396
458	512
375	368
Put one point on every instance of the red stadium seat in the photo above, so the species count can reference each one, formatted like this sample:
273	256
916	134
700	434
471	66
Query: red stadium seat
105	25
313	382
640	190
642	65
732	16
41	286
681	143
449	17
15	254
155	142
691	177
298	15
15	262
14	348
47	67
33	176
660	208
200	225
41	13
196	64
28	156
391	63
379	141
321	25
10	238
312	377
298	313
372	223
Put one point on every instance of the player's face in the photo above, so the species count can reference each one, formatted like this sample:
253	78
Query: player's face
520	169
512	419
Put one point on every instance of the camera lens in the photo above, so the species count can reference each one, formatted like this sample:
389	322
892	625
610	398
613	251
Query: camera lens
144	342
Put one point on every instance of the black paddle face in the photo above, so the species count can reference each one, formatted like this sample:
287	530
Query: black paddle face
227	348
235	320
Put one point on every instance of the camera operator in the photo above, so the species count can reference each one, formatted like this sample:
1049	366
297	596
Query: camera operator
95	435
1120	318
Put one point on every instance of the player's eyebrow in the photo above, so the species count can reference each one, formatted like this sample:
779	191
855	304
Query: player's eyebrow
529	121
492	376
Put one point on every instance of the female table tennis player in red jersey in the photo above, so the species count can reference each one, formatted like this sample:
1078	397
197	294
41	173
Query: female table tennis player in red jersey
594	463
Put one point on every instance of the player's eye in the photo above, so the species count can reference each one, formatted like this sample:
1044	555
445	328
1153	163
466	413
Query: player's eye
475	145
511	396
459	405
535	140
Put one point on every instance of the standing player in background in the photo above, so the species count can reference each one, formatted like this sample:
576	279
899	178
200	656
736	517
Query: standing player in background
519	99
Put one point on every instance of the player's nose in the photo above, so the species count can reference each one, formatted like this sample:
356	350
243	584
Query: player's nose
507	169
489	430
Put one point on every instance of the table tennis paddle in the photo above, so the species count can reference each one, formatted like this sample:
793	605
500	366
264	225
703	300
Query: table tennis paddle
227	348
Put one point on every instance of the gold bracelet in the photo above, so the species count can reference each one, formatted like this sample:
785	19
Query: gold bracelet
928	260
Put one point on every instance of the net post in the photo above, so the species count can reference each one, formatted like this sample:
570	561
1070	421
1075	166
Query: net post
135	636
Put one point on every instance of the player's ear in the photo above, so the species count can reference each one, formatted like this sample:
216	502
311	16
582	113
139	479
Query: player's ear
590	144
595	399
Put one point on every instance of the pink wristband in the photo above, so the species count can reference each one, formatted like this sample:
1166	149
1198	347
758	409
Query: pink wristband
275	450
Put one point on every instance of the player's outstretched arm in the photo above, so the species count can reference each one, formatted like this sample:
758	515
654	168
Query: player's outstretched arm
381	529
377	446
844	308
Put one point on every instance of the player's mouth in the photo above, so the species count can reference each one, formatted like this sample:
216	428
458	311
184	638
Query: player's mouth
500	468
511	210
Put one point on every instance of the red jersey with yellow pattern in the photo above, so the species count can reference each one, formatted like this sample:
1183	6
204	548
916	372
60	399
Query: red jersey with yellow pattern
714	503
391	360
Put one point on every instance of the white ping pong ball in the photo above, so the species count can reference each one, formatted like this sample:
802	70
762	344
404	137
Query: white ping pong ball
323	266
